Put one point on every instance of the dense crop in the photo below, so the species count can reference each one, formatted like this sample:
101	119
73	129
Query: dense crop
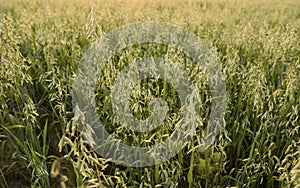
257	46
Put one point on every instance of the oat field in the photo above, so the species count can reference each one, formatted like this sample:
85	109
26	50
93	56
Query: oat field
256	44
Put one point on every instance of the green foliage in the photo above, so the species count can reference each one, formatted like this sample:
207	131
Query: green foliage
256	43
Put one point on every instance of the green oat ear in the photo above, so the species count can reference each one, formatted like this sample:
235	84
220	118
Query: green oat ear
295	174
